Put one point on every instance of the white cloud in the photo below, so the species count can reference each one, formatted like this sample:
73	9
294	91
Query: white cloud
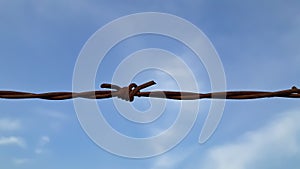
43	141
9	124
55	119
21	161
171	160
38	151
12	141
165	162
57	115
169	71
266	147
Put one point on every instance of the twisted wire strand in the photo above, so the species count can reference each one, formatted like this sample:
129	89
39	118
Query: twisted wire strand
133	90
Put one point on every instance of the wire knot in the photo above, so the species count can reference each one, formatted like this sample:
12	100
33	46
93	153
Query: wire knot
127	93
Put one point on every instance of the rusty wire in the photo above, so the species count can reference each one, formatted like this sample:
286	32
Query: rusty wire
128	93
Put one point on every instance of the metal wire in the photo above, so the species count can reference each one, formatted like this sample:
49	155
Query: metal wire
128	93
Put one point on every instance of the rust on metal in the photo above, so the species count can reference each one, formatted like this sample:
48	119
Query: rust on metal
133	90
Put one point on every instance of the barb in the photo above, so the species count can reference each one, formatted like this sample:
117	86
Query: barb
128	93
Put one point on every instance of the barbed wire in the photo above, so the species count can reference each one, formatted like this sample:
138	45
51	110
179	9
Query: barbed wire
133	90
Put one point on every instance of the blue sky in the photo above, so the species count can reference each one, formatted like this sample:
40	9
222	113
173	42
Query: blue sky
257	42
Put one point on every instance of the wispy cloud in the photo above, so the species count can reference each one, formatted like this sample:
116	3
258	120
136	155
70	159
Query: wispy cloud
264	147
9	124
41	144
173	159
21	161
12	140
57	115
165	162
170	72
55	119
